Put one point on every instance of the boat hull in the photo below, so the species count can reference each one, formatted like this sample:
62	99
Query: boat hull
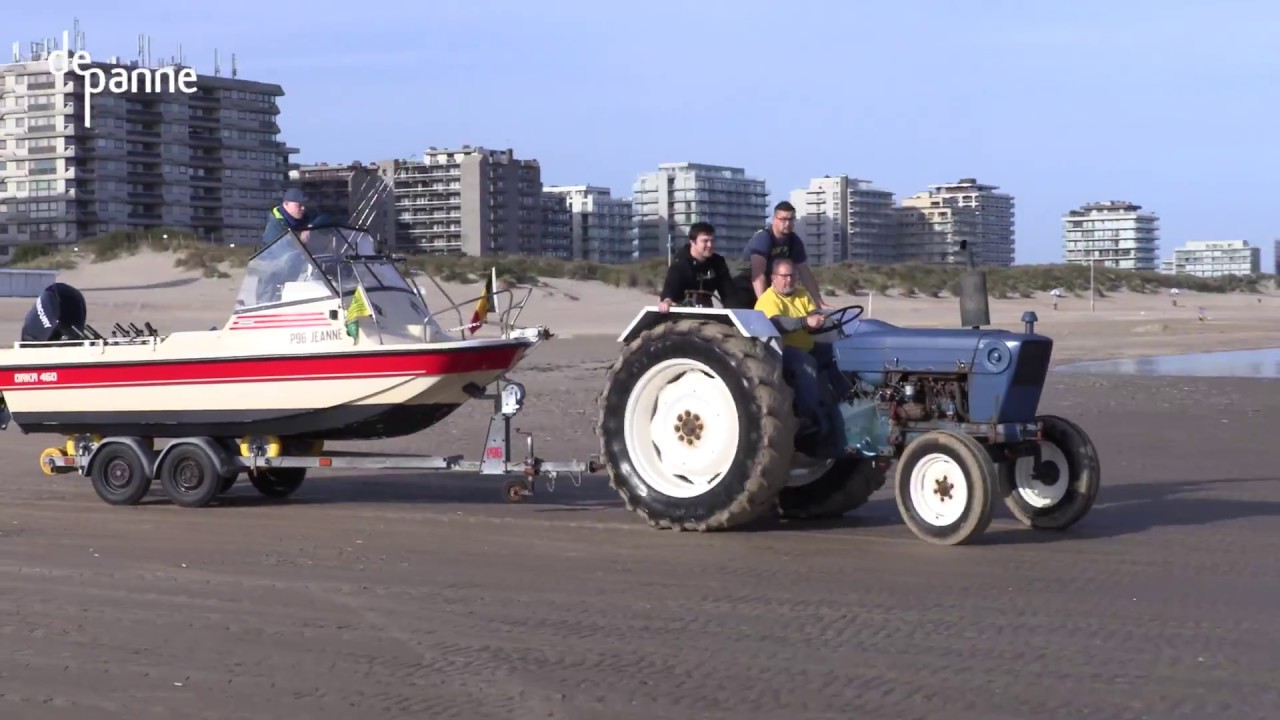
386	391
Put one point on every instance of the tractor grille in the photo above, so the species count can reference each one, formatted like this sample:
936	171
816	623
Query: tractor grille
1033	363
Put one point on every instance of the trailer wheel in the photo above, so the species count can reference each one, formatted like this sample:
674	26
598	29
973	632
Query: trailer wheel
696	426
278	483
190	477
119	476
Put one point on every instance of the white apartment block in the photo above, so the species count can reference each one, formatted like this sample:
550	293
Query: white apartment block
667	202
601	224
210	162
1114	234
935	221
1215	258
845	219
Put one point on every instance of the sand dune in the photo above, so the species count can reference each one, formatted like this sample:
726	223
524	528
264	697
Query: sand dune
148	288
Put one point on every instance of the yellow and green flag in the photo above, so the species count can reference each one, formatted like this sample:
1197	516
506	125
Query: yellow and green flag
358	308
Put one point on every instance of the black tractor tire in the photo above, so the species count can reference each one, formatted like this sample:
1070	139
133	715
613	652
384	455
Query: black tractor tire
955	461
1063	441
750	373
845	486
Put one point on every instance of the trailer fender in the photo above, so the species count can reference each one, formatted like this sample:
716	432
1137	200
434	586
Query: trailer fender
138	445
227	467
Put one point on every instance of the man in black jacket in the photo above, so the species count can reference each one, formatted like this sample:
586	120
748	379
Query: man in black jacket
697	272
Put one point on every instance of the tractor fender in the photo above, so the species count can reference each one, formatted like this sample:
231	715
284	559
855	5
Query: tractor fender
750	323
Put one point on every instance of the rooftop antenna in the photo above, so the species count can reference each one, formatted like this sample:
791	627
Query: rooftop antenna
142	49
75	22
217	68
17	51
148	62
234	71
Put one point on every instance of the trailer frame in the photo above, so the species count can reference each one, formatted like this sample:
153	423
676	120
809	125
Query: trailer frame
123	468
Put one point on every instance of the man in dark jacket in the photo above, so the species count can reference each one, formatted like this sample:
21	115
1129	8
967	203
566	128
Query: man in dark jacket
291	214
697	272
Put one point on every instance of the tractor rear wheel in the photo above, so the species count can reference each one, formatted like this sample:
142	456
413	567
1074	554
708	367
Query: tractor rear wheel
696	426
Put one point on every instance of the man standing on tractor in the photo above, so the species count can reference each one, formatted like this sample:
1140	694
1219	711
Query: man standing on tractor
772	243
794	313
697	272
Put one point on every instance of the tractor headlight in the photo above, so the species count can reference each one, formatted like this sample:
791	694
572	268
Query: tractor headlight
997	356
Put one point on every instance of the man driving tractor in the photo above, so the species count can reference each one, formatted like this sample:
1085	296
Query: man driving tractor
794	313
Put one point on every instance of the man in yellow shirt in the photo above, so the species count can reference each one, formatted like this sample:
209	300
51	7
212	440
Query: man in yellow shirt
794	313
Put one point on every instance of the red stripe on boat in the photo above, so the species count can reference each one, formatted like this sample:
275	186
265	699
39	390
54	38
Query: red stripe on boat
300	367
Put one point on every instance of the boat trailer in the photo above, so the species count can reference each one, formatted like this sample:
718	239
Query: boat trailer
194	471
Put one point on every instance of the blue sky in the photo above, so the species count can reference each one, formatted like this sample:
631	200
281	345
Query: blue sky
1168	104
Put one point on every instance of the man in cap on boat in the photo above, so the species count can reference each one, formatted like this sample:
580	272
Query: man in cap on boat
290	214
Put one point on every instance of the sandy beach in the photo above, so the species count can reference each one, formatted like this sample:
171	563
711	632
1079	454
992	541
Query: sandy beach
418	595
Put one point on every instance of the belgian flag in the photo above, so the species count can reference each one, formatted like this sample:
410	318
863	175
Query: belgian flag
486	303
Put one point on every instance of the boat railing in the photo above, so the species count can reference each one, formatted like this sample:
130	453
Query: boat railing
507	316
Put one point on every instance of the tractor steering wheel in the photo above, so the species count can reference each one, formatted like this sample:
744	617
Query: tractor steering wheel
827	325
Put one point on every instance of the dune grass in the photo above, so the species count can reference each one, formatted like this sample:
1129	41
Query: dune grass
909	280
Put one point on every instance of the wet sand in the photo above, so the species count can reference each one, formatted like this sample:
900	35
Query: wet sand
411	595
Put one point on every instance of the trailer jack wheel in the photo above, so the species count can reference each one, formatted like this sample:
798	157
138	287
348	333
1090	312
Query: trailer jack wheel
517	490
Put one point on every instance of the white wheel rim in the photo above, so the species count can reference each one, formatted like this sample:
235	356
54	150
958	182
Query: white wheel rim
681	428
939	490
1034	492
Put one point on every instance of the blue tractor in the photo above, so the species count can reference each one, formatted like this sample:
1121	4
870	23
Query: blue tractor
698	431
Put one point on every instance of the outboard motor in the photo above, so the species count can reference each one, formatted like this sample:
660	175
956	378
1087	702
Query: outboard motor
59	314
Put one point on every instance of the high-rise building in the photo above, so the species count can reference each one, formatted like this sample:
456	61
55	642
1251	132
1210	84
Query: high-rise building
557	227
471	200
931	229
668	202
846	219
354	194
1215	258
934	222
211	162
1114	233
601	228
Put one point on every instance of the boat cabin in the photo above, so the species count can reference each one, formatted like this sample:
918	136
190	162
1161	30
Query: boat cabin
309	279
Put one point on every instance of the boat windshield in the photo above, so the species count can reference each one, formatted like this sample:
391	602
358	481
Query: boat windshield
317	263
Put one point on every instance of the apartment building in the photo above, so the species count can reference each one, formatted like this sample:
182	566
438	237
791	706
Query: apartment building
846	219
666	203
354	194
1215	258
932	224
600	224
470	200
211	162
1114	233
557	227
930	231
